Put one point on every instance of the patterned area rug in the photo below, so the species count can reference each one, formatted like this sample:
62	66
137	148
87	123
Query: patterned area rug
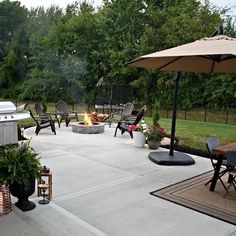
193	193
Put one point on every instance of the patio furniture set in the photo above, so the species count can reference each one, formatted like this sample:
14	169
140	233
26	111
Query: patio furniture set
47	119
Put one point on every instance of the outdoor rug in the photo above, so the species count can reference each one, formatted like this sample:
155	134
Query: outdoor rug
193	193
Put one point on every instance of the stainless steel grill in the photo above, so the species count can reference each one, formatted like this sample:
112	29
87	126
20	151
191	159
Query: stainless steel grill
9	115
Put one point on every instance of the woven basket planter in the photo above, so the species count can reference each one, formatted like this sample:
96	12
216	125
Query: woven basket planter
5	199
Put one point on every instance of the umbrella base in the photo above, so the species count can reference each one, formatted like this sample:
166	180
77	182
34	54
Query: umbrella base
163	158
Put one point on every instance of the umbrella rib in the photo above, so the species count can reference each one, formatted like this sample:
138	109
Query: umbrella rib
228	58
176	59
216	58
134	61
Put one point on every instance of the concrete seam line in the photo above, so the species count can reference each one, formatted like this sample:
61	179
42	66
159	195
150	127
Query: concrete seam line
96	188
78	220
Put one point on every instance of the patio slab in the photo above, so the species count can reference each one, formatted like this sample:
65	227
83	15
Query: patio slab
101	186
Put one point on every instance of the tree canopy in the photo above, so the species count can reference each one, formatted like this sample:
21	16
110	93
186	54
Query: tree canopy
56	54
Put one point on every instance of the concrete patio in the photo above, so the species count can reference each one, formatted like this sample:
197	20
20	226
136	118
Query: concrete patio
101	186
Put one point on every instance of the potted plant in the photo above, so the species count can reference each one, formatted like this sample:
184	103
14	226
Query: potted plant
155	135
19	167
139	134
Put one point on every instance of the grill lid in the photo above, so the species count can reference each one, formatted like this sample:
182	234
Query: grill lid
7	107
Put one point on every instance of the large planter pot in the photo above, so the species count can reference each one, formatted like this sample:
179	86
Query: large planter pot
153	144
18	190
139	139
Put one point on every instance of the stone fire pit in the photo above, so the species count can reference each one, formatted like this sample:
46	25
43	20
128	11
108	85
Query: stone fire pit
82	128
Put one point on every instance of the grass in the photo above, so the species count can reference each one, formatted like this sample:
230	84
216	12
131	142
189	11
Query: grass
193	134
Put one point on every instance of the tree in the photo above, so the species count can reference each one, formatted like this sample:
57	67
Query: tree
77	36
12	16
40	84
122	26
8	70
43	77
63	55
13	45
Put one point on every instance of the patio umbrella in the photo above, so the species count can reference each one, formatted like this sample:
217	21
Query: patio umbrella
208	55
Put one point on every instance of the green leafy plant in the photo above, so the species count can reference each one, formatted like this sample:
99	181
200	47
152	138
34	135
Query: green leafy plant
18	164
155	133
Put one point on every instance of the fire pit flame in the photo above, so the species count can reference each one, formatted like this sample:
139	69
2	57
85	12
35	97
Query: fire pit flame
87	120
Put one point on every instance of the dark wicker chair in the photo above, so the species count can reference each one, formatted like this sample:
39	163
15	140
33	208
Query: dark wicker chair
43	122
62	111
124	125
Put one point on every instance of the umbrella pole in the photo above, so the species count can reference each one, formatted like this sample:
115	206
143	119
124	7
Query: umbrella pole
165	158
172	140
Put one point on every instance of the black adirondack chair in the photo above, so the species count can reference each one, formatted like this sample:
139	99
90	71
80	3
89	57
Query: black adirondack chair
43	122
125	125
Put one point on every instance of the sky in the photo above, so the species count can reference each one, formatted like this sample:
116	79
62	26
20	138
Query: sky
62	3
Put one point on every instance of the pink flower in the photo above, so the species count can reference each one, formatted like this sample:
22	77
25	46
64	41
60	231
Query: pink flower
133	128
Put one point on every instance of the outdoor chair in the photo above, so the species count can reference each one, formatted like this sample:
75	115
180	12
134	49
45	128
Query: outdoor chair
231	161
38	109
41	113
22	107
124	126
62	111
127	111
42	122
210	144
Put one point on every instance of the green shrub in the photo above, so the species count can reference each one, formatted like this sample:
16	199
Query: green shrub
19	163
156	112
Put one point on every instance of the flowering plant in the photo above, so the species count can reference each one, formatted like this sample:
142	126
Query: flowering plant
155	133
139	127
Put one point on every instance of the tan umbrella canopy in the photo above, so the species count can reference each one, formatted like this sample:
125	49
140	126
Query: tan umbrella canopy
208	55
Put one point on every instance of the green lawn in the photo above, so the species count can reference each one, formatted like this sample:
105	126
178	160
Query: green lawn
194	134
